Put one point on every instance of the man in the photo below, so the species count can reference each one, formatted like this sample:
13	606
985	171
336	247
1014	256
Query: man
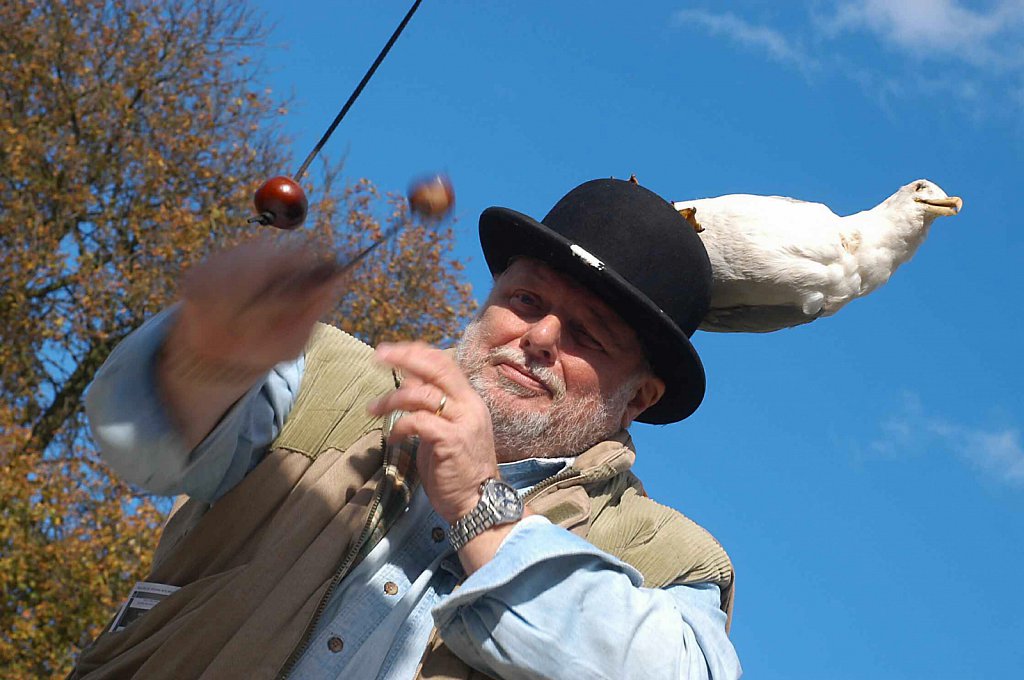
343	504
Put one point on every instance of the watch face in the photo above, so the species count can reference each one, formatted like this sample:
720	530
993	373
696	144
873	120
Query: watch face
504	500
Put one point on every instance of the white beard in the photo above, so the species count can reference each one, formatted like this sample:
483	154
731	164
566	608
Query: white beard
568	427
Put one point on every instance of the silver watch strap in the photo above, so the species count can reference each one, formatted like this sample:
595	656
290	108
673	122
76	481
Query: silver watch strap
492	509
473	523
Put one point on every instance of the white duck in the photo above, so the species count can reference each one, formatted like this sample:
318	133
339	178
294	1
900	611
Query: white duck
779	262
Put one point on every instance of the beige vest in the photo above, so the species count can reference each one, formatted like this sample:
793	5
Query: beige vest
257	567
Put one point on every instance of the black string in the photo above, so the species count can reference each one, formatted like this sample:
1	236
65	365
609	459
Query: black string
355	93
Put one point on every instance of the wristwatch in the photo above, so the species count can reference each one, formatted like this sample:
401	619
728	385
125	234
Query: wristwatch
499	504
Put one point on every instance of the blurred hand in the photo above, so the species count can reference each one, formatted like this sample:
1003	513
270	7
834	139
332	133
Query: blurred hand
242	311
255	305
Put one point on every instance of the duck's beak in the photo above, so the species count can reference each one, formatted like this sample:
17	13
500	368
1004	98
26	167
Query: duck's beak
942	206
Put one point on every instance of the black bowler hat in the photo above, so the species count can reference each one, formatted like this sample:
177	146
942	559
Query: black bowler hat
632	248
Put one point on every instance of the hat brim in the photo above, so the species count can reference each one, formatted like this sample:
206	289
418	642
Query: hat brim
506	234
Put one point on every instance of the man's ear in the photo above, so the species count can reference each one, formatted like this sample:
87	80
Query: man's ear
647	394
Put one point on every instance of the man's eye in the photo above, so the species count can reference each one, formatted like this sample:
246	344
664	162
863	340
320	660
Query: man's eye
525	300
588	340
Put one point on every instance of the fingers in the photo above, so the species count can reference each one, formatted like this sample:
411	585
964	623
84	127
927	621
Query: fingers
426	364
450	420
258	271
428	427
301	280
433	396
266	277
292	298
260	299
418	397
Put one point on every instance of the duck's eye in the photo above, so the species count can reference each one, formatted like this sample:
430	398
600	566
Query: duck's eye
921	186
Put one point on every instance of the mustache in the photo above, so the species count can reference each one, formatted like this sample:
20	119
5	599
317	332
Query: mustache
542	374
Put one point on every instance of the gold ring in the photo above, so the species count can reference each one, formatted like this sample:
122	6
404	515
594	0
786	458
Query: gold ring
440	407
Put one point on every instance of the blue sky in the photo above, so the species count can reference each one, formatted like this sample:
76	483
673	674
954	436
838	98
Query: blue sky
865	472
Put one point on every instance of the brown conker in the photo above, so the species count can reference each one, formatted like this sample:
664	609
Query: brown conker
281	203
432	197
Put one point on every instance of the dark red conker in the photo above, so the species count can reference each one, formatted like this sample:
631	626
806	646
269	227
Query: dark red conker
432	197
281	203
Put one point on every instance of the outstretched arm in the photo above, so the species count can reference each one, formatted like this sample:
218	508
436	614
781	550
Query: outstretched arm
169	410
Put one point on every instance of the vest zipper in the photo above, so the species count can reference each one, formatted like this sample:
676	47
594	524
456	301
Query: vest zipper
299	650
568	473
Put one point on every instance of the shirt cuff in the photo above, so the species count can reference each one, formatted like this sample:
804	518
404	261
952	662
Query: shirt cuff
532	541
135	434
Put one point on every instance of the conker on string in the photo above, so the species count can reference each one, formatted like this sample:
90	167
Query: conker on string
432	197
281	203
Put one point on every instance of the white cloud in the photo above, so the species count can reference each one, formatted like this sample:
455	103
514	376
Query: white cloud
942	48
763	38
937	28
996	452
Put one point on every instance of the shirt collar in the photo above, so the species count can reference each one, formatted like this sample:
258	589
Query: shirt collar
523	474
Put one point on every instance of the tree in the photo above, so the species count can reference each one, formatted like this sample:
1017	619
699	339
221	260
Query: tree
408	287
132	136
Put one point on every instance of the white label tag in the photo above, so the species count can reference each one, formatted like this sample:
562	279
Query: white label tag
586	256
144	596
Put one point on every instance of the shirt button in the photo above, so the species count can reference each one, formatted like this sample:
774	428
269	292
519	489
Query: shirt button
335	644
437	534
391	588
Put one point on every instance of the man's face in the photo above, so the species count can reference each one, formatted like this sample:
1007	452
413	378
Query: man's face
557	367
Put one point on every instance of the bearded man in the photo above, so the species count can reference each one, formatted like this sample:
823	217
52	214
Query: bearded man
410	512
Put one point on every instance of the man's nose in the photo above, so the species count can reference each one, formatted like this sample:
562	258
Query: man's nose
540	342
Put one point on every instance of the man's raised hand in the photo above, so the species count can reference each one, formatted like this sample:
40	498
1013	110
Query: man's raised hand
241	311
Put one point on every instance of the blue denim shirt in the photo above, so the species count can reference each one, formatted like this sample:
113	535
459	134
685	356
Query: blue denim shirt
549	605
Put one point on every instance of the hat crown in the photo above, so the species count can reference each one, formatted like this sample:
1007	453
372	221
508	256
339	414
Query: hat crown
640	236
